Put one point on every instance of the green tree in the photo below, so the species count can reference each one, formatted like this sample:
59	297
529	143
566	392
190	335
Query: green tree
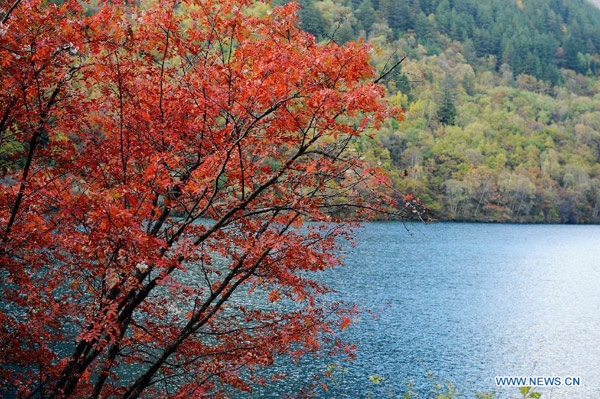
311	19
366	14
399	15
446	111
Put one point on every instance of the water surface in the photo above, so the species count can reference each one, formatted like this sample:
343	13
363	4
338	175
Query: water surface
468	302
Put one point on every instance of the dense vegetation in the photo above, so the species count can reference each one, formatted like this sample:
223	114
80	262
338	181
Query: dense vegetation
536	37
123	129
501	98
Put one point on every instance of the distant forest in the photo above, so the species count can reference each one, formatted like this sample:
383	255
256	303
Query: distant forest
502	101
536	37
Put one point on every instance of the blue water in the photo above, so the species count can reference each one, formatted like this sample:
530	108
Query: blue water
466	302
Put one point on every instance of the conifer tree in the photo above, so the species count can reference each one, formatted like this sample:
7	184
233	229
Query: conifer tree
446	111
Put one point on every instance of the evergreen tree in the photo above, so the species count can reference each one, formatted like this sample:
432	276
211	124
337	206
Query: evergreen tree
424	28
571	58
446	111
366	14
311	19
403	85
442	16
344	33
399	15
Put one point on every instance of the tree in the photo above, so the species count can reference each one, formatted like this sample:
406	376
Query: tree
446	111
423	27
343	33
399	15
311	19
170	155
572	50
366	14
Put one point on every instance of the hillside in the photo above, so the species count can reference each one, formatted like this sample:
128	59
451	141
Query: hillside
502	102
537	37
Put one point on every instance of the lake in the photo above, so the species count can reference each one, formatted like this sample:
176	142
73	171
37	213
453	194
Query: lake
466	302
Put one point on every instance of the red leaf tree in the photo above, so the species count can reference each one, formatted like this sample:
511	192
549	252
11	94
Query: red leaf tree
160	160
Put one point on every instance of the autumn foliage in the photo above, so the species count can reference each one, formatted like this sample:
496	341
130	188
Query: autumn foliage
161	160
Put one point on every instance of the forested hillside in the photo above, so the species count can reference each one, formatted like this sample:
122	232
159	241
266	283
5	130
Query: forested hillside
501	97
536	37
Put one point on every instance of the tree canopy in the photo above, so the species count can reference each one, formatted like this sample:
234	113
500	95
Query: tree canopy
537	37
162	158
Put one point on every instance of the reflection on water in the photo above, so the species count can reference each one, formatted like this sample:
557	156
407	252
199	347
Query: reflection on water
469	302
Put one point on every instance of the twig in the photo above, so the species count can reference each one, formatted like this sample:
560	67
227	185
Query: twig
16	3
384	75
